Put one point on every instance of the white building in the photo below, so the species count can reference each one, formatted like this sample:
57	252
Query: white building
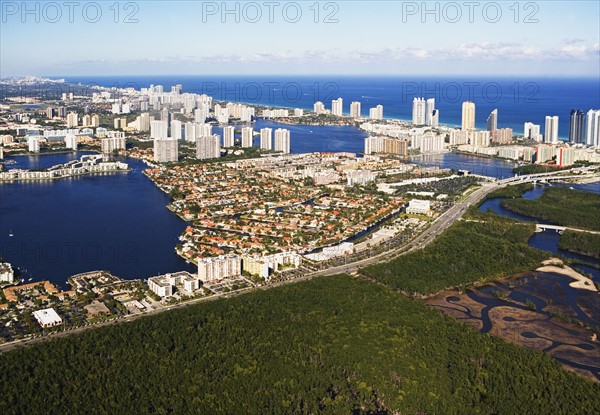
47	318
215	269
33	143
228	136
532	131
360	176
592	132
189	130
319	107
431	142
355	109
468	115
159	129
176	129
551	130
71	141
298	112
337	107
376	113
266	138
208	147
108	145
163	285
72	120
166	150
247	136
418	111
282	140
419	207
7	274
431	114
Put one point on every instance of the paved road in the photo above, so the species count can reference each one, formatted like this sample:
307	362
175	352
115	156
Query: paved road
442	223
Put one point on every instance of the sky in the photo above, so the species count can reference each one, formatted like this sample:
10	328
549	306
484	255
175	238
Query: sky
508	38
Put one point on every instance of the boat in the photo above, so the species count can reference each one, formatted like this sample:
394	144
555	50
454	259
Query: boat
10	233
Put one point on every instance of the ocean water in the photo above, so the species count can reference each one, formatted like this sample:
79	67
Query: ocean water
518	100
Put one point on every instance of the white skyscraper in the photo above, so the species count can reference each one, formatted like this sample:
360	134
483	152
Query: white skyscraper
430	112
33	144
355	109
247	136
266	141
318	107
228	136
468	115
203	130
282	140
592	131
176	129
190	132
532	131
337	107
376	113
72	120
165	150
159	129
418	111
208	147
551	130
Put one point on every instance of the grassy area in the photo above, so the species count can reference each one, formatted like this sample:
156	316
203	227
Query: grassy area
510	191
561	206
333	345
580	242
467	252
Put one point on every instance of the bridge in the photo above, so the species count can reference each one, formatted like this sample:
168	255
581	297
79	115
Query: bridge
541	227
545	177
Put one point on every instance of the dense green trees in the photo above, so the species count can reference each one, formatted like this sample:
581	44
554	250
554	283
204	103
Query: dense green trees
482	250
581	242
334	345
561	206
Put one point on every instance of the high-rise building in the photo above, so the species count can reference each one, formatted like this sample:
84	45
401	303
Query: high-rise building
33	143
532	131
435	118
214	269
189	129
492	121
337	107
551	130
418	111
109	144
502	135
165	149
355	109
282	140
165	116
71	141
376	113
479	138
468	115
576	126
203	130
592	132
72	120
208	147
319	108
386	145
266	142
430	112
228	136
176	129
95	121
247	137
159	129
50	112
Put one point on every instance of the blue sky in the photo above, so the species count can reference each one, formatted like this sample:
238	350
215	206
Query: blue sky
369	37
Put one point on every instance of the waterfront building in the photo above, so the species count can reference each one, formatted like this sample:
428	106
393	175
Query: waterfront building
163	285
166	150
189	130
208	147
71	141
386	145
266	142
110	144
215	269
551	130
576	126
492	121
544	153
33	143
228	136
458	137
592	133
7	275
565	156
532	131
355	109
337	107
418	111
429	142
319	108
282	140
376	113
468	115
203	130
298	112
502	135
47	318
247	137
479	138
430	112
72	120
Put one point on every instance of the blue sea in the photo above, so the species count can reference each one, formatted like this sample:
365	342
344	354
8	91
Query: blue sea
518	100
